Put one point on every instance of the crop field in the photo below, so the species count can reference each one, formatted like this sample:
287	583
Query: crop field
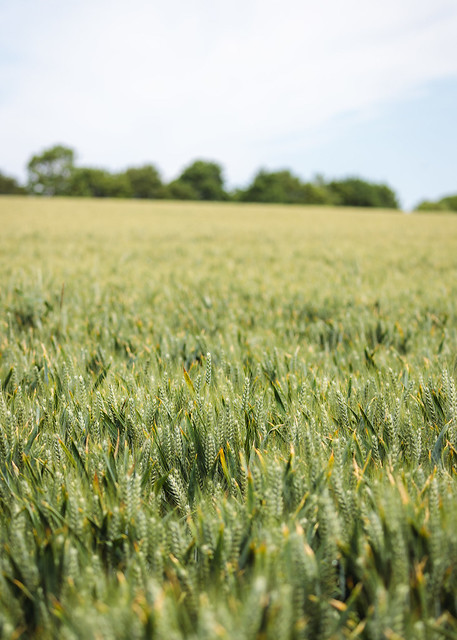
226	421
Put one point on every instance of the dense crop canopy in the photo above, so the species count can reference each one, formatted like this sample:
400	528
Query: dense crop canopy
226	422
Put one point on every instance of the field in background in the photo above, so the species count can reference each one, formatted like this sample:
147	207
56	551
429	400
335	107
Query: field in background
226	421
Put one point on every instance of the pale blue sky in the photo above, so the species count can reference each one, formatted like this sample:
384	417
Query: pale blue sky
340	88
410	143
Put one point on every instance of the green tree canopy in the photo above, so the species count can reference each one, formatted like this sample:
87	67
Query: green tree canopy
354	192
180	190
10	186
204	178
53	172
448	203
98	183
145	182
279	186
284	187
50	172
429	205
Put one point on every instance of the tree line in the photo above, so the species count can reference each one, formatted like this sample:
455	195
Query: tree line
448	203
54	172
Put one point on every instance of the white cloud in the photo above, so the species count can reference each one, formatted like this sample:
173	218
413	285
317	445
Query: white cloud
125	82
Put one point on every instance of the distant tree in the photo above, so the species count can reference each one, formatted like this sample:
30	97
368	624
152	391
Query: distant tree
201	179
428	205
448	203
279	186
315	193
98	183
50	172
10	186
180	190
283	187
145	182
354	192
118	186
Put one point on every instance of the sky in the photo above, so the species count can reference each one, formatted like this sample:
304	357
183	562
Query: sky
361	87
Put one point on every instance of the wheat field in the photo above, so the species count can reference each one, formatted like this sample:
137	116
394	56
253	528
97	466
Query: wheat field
226	421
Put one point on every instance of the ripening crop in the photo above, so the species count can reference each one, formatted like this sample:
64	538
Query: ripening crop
226	421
